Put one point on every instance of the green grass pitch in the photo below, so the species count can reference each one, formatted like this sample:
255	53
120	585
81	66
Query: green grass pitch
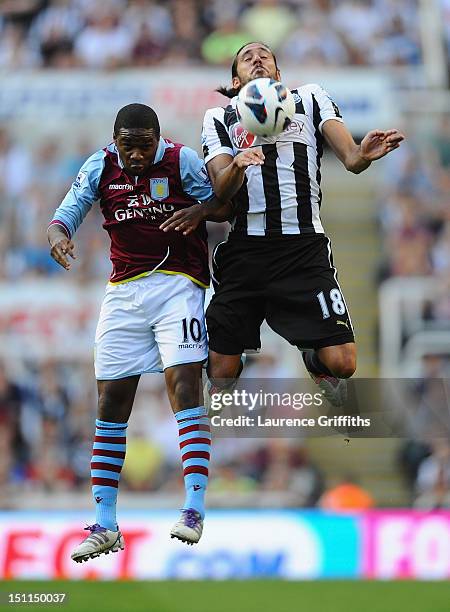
235	596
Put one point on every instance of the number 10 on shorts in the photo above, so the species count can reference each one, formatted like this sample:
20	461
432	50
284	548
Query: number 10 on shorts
193	328
337	303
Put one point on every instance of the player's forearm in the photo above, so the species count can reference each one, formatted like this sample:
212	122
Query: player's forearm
345	148
216	210
355	162
228	181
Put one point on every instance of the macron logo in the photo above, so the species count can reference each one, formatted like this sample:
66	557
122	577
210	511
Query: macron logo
125	187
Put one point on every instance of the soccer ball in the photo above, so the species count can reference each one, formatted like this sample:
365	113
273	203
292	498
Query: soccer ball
265	107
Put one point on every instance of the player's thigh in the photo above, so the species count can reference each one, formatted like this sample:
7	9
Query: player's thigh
236	311
308	308
234	320
124	341
179	328
223	368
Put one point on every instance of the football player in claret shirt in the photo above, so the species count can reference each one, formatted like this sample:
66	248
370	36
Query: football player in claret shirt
152	316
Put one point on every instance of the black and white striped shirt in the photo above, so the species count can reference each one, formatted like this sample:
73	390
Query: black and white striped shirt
283	196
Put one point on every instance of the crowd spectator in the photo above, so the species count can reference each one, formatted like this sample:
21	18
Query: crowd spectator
105	42
16	166
20	12
268	20
414	214
314	42
220	44
11	398
433	478
15	52
425	457
445	12
53	33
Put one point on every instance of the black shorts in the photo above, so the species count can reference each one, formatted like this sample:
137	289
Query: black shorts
288	281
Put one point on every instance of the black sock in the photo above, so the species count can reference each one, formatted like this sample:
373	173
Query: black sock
314	365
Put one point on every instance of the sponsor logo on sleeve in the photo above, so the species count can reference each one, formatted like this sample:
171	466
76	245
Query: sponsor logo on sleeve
80	179
203	174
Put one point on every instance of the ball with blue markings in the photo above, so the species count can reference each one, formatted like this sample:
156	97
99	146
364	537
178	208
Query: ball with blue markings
265	107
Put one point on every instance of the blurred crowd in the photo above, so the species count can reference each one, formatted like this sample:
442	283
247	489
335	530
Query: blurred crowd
46	433
424	458
414	215
105	34
415	212
32	183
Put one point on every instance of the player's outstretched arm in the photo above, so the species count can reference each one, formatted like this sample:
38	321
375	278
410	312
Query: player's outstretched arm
76	204
61	246
357	158
188	219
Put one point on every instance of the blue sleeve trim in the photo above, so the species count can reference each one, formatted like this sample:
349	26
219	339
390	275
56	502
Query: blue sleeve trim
83	193
194	176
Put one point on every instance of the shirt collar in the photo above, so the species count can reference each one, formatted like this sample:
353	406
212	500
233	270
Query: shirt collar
162	146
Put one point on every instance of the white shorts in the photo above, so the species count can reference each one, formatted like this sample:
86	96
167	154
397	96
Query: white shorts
148	325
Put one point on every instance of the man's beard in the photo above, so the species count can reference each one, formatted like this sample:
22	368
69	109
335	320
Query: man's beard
263	73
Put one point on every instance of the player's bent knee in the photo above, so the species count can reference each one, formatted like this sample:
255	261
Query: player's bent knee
183	387
186	394
110	408
109	401
340	360
223	367
346	371
345	367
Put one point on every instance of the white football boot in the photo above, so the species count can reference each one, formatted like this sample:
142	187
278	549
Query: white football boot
189	527
100	541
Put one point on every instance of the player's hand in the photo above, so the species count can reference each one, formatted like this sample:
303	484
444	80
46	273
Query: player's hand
251	157
186	220
60	250
378	143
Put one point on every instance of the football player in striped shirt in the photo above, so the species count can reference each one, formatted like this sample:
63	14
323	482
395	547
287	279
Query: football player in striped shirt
277	263
152	316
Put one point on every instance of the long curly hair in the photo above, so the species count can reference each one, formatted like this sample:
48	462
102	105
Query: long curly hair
230	92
